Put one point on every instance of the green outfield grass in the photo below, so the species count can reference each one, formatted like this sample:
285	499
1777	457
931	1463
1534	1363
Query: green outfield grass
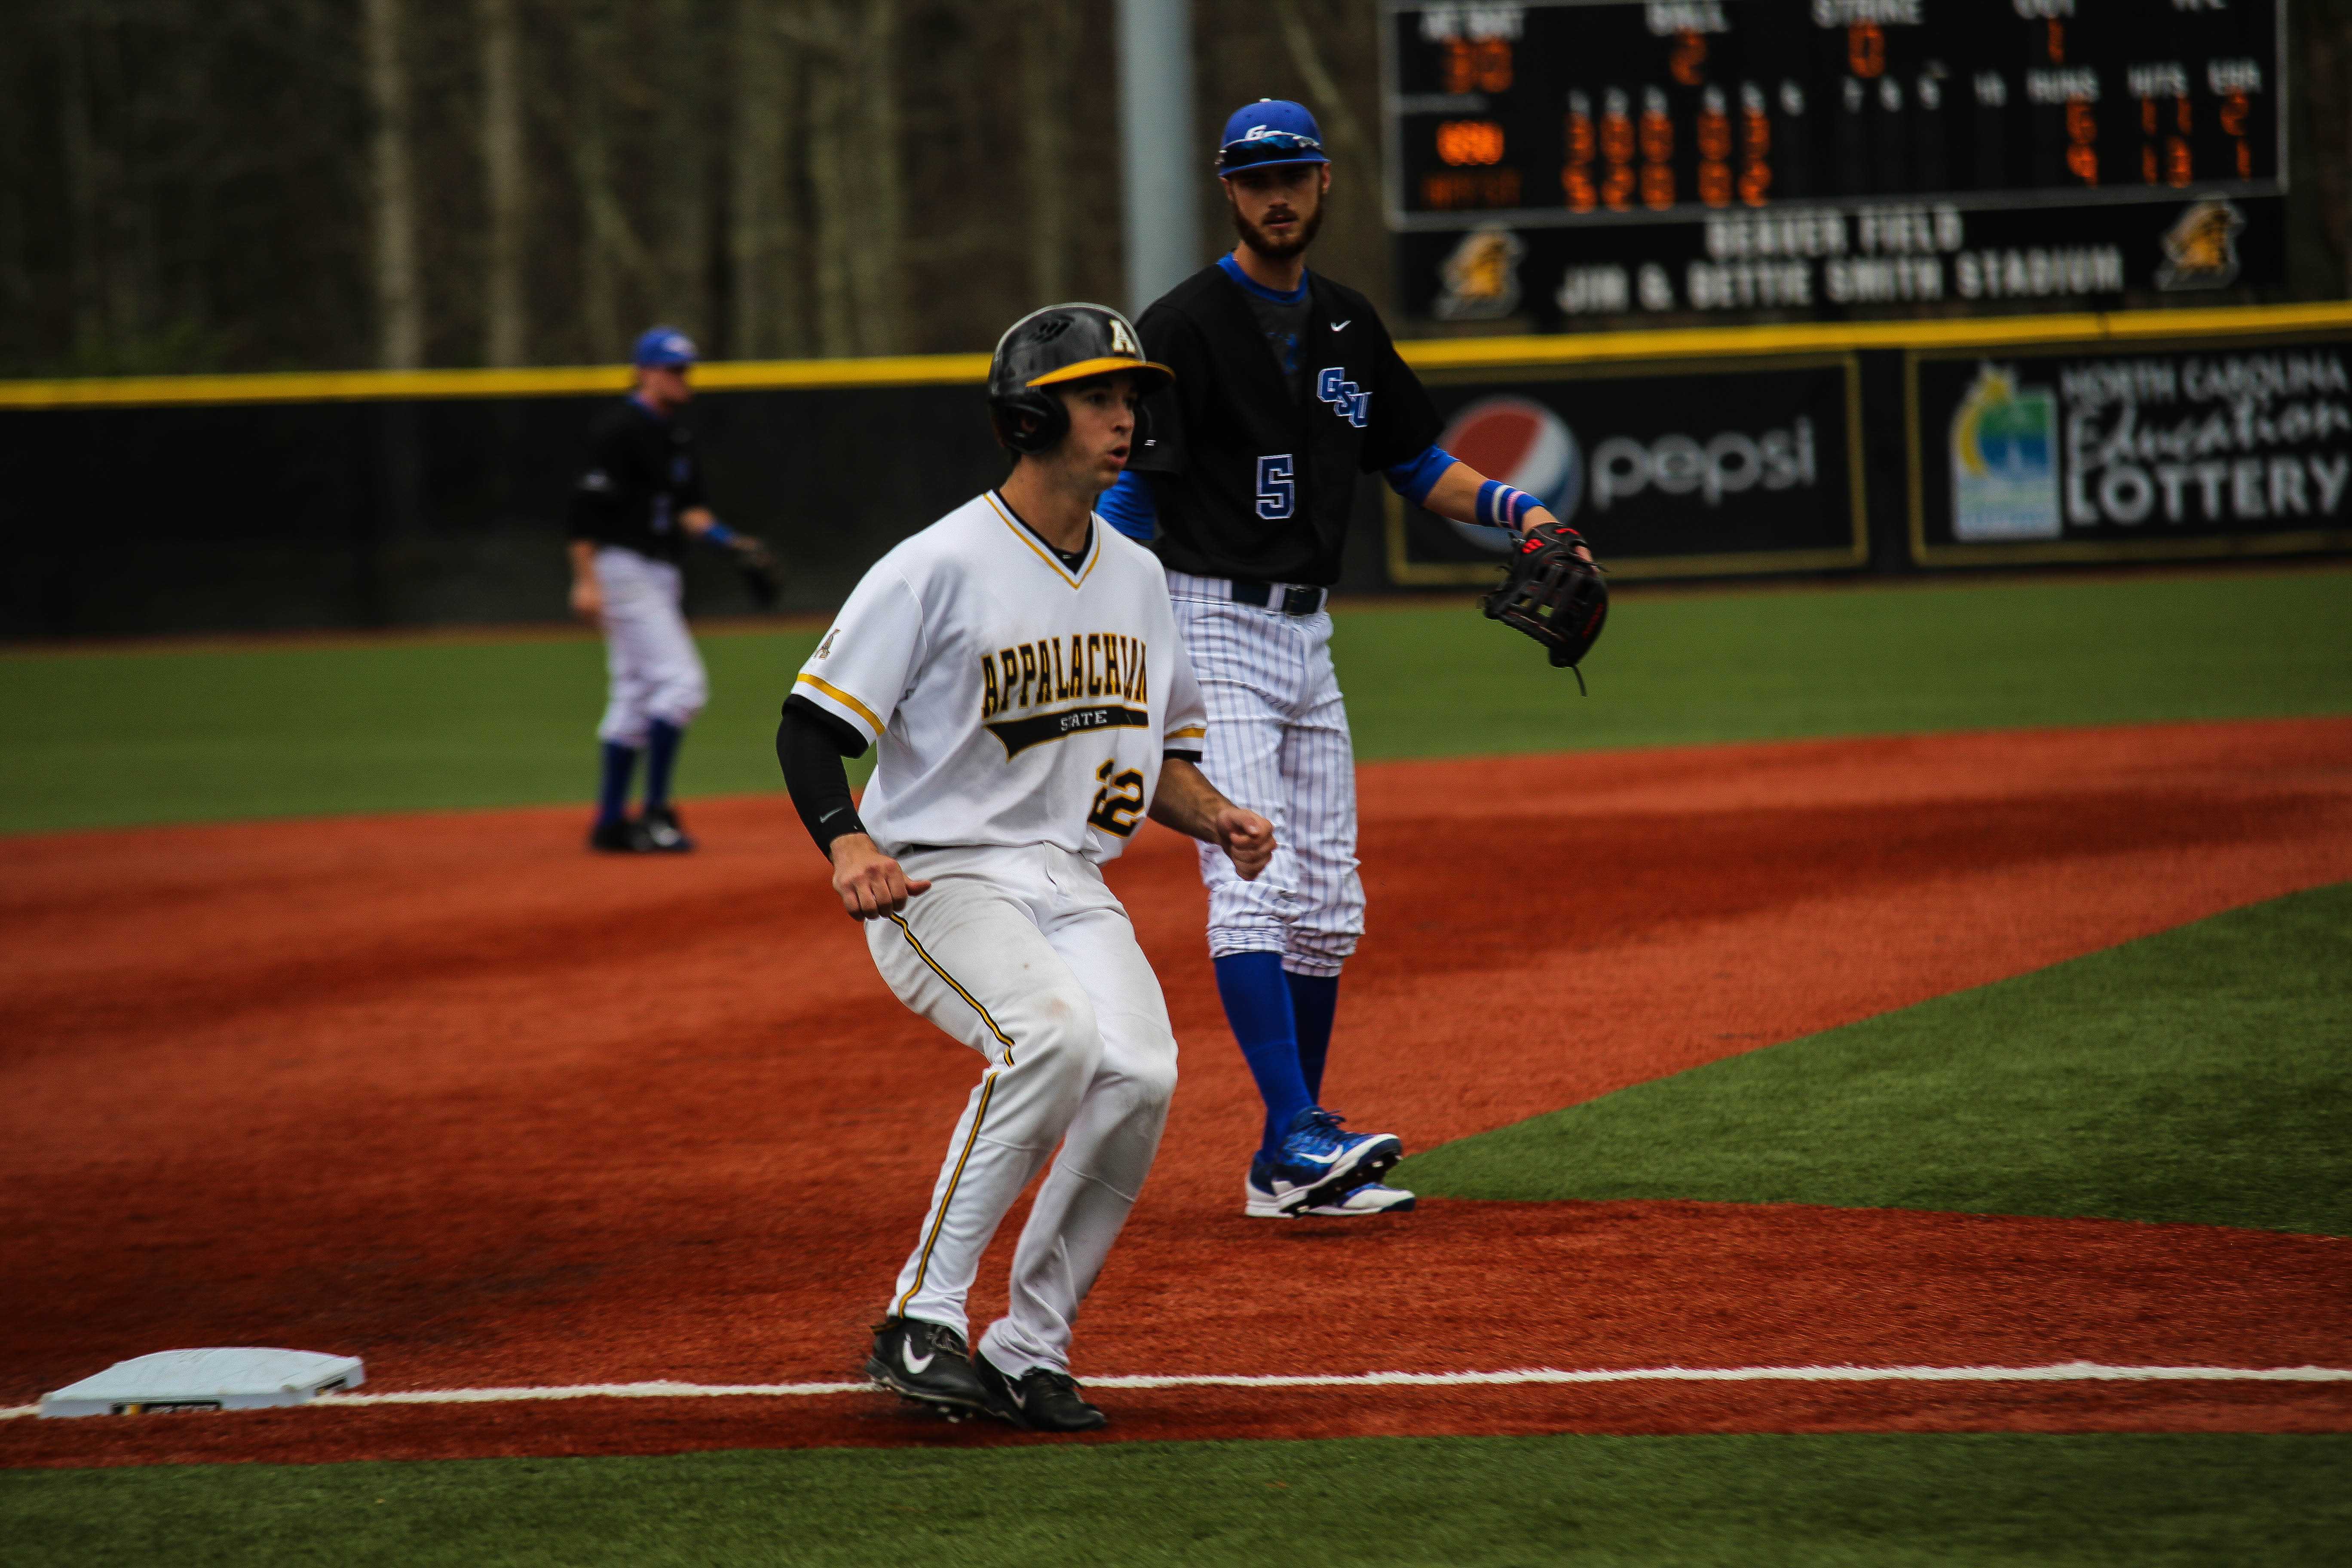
129	735
1974	1501
2204	1075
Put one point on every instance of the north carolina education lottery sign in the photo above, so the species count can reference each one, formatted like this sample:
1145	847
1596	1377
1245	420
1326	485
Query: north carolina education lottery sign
1572	159
2055	453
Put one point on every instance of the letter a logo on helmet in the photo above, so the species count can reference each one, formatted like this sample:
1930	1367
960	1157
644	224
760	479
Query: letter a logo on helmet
1057	346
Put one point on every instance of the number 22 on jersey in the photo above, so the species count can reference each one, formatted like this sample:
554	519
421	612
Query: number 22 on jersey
1119	801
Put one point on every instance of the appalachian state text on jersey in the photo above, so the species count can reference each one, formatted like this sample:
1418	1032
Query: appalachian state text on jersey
1014	699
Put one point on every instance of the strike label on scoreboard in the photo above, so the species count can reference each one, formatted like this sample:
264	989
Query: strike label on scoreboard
1576	158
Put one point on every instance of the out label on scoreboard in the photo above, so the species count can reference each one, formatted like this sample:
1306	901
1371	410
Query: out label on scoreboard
1579	158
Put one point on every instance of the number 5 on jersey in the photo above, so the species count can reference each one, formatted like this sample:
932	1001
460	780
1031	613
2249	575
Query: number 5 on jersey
1277	492
1119	801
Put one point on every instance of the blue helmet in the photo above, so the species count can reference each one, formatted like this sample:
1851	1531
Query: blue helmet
1271	131
663	348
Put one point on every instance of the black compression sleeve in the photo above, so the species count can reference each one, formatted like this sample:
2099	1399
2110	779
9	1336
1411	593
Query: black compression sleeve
810	745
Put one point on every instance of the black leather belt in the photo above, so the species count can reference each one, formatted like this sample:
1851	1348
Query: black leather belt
1290	601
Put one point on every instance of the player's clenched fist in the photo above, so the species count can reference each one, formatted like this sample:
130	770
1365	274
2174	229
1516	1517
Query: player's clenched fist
1246	838
1190	804
870	883
587	597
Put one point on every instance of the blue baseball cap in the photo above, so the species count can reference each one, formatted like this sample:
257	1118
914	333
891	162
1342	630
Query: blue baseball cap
1271	131
663	348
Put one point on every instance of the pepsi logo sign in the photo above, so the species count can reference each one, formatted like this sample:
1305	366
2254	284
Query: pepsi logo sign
1524	445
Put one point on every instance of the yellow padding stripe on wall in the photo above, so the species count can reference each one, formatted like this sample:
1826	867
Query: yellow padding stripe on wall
972	369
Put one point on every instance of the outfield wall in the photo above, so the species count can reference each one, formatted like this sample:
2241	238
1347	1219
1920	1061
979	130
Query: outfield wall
208	503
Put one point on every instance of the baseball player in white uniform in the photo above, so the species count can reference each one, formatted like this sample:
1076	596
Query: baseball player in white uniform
1018	666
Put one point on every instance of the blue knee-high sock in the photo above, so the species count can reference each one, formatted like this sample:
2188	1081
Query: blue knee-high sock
613	794
1314	1000
661	757
1257	1005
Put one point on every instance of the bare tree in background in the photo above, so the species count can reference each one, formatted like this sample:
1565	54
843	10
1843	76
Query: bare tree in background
506	323
879	284
399	301
1357	165
83	196
2327	28
684	85
855	176
611	254
1045	53
763	312
824	28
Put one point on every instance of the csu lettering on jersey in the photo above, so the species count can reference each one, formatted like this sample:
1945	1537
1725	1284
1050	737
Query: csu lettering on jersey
1347	400
1031	676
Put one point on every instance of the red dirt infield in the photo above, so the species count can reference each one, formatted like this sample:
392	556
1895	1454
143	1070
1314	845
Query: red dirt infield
445	1092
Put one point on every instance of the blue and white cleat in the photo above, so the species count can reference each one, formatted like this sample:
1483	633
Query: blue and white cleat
1317	1162
1371	1197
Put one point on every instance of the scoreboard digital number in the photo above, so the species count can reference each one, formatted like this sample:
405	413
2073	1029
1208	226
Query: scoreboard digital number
1575	158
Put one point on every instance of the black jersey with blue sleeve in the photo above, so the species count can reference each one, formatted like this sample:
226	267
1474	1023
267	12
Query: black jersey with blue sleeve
642	474
1249	478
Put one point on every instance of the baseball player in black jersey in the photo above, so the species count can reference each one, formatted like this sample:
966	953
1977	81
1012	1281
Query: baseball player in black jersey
633	513
1286	387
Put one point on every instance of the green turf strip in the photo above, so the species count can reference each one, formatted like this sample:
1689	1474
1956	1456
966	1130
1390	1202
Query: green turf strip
2203	1075
123	736
1738	1501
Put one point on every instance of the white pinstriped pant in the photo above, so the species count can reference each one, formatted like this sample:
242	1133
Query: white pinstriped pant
1278	744
652	669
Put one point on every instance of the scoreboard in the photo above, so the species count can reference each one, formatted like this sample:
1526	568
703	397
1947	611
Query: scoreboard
1582	158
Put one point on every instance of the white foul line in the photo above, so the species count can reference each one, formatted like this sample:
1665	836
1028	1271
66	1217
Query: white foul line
2062	1372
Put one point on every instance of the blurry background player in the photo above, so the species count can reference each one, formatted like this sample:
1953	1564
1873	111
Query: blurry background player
1286	388
631	514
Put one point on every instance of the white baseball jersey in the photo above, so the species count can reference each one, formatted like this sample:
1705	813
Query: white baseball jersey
1014	699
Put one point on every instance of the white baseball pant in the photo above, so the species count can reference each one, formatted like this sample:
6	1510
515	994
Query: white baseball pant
1278	744
651	666
1025	956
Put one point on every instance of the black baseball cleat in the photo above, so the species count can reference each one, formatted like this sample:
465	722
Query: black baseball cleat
624	837
1041	1399
664	833
928	1363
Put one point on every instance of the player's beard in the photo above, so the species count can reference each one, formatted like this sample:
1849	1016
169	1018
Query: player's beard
1257	239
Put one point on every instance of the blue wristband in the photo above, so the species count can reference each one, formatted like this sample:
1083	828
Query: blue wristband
1500	506
719	534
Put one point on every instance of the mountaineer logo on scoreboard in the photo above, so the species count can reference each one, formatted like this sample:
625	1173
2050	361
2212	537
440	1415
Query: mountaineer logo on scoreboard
2200	250
1482	277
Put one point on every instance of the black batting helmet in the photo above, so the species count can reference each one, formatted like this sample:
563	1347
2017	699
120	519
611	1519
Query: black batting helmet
1055	346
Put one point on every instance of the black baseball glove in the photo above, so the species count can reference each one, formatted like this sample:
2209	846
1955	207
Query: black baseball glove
1553	595
758	569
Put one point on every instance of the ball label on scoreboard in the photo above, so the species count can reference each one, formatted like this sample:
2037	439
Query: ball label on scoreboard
1813	155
